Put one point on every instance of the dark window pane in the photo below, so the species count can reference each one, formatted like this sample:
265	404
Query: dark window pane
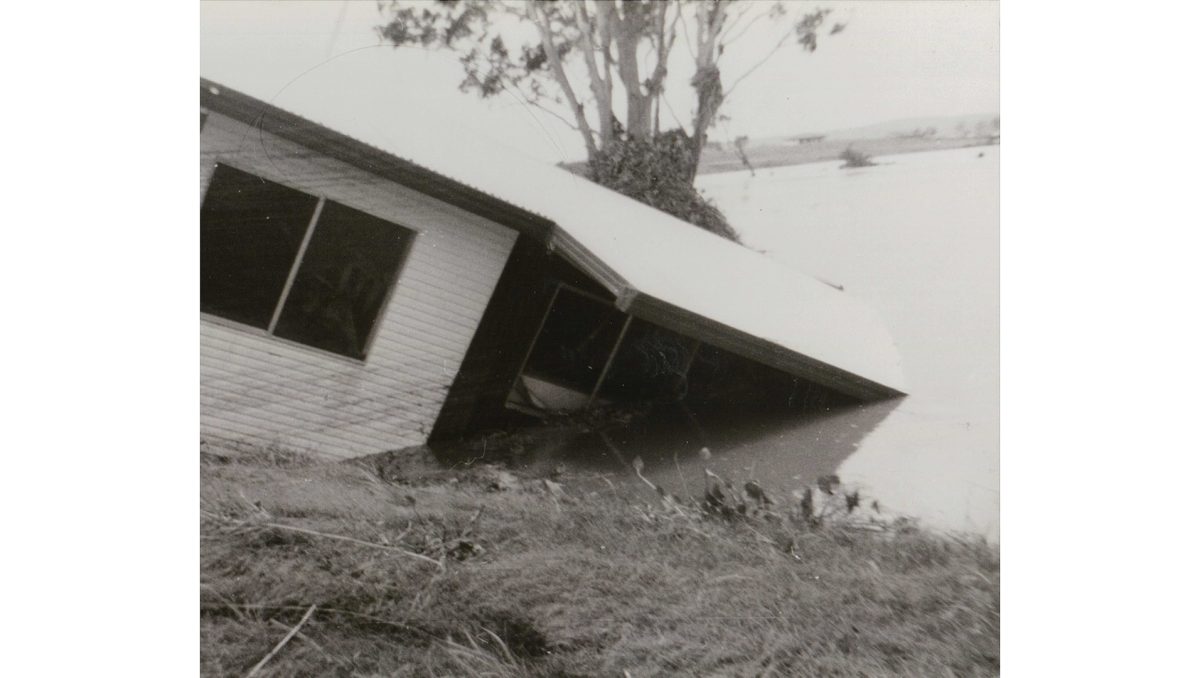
575	341
347	270
652	364
250	232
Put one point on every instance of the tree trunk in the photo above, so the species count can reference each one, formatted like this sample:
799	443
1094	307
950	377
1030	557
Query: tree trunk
637	109
601	83
707	80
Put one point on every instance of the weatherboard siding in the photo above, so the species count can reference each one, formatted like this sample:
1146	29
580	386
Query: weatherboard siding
259	388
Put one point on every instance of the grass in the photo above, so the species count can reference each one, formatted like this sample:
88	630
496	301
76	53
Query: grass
450	573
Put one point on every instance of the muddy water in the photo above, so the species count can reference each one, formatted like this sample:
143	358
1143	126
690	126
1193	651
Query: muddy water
917	238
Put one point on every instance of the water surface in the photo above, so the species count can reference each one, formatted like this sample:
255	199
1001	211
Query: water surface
917	238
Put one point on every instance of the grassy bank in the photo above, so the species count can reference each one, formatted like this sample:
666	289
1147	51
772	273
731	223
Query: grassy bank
476	572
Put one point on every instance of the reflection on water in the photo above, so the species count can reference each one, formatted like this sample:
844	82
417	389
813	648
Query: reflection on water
917	238
782	452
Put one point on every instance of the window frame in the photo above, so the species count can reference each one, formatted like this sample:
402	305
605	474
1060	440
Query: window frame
322	198
594	391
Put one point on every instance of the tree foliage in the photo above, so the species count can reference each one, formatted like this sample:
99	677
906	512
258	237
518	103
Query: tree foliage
855	159
656	172
581	59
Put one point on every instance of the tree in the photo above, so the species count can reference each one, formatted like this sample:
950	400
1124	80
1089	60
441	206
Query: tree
854	159
739	145
586	56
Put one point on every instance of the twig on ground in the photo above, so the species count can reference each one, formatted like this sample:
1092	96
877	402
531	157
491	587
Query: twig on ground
352	540
637	468
225	601
419	598
646	480
313	644
254	507
679	470
295	629
330	610
361	542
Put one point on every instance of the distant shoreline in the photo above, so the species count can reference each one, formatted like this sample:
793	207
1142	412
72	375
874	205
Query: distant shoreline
716	160
720	159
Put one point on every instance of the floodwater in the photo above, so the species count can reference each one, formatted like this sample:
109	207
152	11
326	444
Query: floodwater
917	238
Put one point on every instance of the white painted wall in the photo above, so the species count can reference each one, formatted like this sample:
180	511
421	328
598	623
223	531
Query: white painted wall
259	388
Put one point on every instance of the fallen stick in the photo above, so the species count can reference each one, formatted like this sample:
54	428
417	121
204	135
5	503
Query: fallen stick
327	535
225	601
646	480
312	643
331	610
295	629
636	465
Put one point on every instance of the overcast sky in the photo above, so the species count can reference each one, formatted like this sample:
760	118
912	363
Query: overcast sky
895	59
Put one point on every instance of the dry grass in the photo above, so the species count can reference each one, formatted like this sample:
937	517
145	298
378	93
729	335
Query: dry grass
527	581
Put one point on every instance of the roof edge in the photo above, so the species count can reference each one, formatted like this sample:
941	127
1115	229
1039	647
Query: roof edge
582	258
758	349
216	98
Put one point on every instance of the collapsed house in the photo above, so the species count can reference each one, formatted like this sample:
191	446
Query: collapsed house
361	297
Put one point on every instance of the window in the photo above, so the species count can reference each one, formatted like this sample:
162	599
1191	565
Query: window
302	268
651	364
577	337
250	233
342	281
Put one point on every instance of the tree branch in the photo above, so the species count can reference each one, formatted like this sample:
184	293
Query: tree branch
756	66
545	109
725	39
601	87
730	25
539	18
672	112
687	37
522	98
654	84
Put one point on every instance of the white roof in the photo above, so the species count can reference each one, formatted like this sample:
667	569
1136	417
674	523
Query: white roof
647	253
